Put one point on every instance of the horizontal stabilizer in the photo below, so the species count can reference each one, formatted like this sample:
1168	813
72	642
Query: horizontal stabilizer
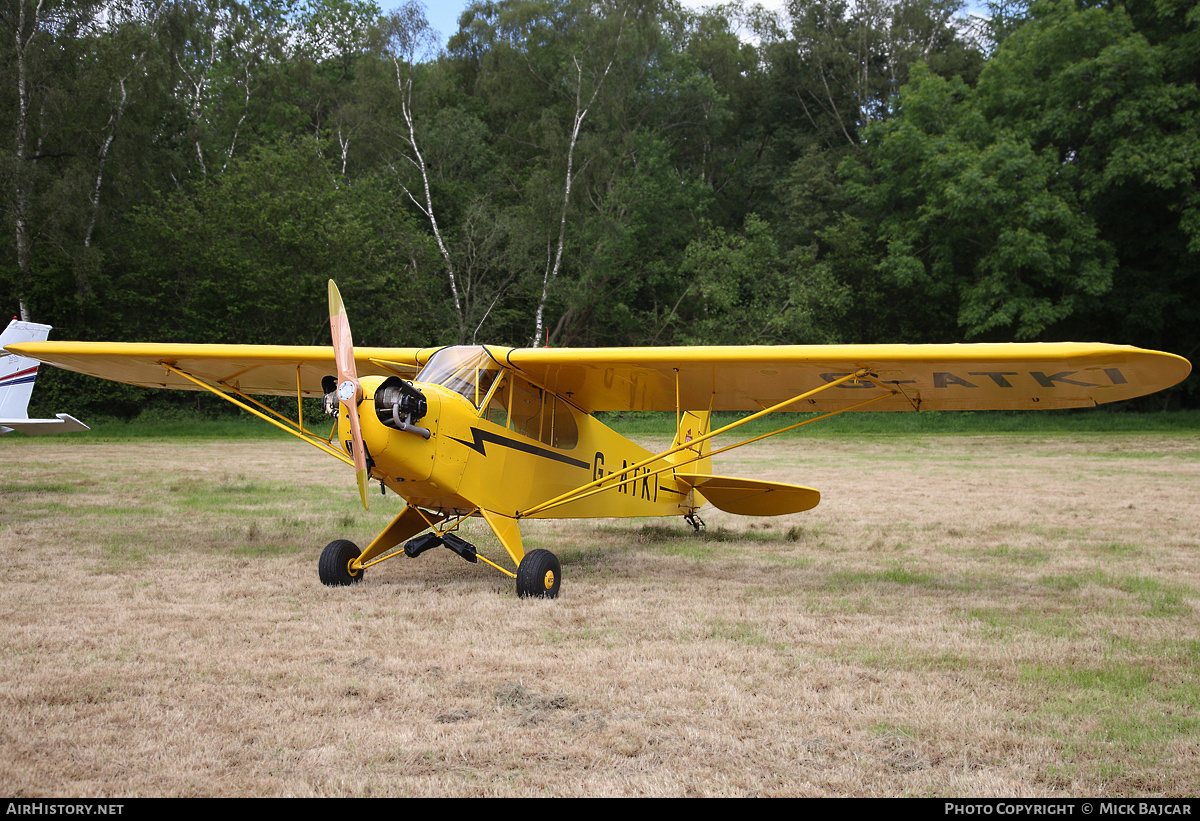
65	423
752	497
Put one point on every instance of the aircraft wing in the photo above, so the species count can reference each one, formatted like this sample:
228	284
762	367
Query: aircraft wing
253	369
1011	376
733	378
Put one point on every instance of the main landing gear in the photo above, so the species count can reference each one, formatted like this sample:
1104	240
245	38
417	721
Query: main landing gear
538	576
334	566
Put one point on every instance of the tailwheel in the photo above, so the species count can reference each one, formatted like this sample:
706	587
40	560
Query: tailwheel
539	575
335	564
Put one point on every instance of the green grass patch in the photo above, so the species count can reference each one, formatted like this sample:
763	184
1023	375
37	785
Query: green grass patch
1025	556
1005	623
847	579
1071	582
270	550
993	617
1076	420
1123	703
1160	598
1111	681
899	575
1116	549
228	494
198	426
15	486
120	556
746	633
789	562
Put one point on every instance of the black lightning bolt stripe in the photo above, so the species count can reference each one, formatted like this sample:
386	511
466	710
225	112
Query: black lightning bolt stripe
482	436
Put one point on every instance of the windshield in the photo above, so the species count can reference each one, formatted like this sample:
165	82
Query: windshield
466	370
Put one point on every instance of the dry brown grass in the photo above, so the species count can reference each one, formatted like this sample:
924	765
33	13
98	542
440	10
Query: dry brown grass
974	616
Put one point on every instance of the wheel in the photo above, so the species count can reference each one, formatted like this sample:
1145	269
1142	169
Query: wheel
335	564
539	575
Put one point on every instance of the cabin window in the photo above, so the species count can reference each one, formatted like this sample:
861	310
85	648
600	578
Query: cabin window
530	411
467	370
564	433
525	411
497	410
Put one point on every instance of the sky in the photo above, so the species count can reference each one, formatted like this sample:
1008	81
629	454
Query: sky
443	14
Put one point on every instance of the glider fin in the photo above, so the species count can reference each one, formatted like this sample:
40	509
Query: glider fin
17	375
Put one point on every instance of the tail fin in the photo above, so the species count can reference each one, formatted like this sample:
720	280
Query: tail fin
692	425
17	374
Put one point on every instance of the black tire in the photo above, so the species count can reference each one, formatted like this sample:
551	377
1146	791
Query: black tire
539	575
335	564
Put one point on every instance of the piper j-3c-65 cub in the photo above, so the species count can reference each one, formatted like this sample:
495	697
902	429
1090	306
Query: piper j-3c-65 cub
508	434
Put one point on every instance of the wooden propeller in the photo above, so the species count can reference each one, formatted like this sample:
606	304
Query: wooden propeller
349	389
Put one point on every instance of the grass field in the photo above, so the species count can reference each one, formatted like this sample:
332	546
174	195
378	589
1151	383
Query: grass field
971	615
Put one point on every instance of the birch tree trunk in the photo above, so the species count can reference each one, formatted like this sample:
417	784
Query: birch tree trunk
411	38
554	259
554	262
28	21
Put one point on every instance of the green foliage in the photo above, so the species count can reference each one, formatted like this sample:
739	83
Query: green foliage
978	220
1111	93
245	257
743	291
1056	198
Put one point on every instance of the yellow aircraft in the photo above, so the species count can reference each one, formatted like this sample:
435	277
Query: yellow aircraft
508	433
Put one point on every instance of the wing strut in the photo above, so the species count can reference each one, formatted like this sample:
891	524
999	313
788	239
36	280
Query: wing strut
286	425
614	479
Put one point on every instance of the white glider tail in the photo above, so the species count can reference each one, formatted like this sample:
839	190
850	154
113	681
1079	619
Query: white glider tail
17	374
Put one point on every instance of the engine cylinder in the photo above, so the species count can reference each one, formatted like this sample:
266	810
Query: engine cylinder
398	399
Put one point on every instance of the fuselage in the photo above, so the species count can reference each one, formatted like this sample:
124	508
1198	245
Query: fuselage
498	443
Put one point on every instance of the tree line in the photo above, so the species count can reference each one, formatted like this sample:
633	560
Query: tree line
601	172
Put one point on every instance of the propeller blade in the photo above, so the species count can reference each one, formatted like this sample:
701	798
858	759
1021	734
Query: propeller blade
349	389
